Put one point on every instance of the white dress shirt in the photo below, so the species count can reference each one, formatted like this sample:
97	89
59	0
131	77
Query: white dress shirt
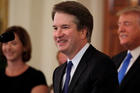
75	62
135	54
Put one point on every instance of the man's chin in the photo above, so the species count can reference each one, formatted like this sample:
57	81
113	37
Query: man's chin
123	43
126	46
61	50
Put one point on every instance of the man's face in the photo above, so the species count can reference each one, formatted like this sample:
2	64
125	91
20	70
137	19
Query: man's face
129	30
66	35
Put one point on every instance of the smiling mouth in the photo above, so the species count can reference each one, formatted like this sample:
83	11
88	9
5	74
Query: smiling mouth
123	36
61	42
9	54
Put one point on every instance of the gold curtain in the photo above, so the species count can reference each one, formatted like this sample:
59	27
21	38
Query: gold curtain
3	26
3	15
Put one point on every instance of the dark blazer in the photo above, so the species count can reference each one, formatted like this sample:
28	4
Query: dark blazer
95	73
131	81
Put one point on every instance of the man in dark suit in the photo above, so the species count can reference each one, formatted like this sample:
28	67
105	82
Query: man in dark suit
90	71
129	35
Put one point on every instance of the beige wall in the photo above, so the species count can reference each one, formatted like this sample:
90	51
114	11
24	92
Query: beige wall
35	16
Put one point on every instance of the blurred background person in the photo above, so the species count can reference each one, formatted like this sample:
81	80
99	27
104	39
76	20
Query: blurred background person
129	36
19	77
62	58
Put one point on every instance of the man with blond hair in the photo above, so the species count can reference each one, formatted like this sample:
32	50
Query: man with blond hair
129	36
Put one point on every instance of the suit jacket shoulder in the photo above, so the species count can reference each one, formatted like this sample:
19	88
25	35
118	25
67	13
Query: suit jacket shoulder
117	59
95	73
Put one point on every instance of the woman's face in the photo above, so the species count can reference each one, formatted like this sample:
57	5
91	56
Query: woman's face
13	50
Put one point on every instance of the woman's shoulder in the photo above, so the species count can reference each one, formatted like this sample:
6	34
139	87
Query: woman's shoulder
34	71
36	75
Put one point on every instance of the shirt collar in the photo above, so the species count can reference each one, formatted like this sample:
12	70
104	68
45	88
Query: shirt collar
79	55
135	52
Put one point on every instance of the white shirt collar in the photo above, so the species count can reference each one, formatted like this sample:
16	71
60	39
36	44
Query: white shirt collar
76	61
135	53
79	55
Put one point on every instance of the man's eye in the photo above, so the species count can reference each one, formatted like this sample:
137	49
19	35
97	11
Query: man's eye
65	27
127	23
55	28
119	24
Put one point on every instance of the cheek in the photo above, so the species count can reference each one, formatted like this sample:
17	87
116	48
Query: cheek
134	32
53	33
118	32
54	36
135	36
3	48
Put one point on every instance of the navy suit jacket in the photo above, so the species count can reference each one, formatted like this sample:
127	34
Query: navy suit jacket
131	81
95	73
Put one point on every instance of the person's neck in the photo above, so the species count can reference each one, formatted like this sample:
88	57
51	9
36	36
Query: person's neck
132	47
15	68
76	51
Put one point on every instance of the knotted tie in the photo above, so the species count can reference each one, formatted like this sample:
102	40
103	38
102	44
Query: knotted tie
123	69
69	66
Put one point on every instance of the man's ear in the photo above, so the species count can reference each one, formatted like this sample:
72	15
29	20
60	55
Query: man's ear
83	33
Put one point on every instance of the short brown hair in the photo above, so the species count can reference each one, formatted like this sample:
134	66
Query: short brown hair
82	14
25	40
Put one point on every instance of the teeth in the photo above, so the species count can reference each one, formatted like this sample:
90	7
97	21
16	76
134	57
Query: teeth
123	36
60	41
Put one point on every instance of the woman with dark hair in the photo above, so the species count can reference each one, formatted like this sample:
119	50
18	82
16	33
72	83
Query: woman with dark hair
18	77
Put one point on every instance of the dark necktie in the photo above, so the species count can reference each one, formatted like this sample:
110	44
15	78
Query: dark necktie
123	69
69	66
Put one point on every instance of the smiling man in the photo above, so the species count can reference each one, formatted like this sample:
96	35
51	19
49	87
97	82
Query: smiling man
129	35
87	70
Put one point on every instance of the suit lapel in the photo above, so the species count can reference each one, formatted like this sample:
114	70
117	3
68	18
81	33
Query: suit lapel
119	59
60	78
80	68
77	74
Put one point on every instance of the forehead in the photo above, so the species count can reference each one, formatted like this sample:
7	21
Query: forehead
61	17
129	16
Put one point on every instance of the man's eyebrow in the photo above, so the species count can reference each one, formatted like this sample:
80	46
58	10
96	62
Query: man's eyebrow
53	26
